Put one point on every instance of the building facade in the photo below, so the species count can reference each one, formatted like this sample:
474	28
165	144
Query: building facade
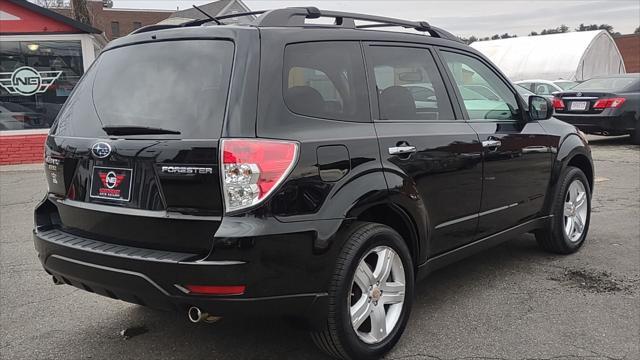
42	56
216	8
116	22
44	53
629	46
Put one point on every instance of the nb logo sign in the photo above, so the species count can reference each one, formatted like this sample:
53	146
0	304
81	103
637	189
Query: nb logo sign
27	81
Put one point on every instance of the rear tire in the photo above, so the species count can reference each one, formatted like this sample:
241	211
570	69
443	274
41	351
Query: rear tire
571	214
367	244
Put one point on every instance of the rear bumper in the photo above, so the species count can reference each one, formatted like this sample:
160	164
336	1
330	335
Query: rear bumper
149	278
599	123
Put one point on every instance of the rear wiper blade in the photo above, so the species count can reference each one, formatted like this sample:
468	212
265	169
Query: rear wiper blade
136	130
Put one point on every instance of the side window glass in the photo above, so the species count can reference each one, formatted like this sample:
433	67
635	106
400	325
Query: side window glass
527	85
319	81
408	84
474	80
326	80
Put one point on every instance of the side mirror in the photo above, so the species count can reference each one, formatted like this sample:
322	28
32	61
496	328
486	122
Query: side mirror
540	108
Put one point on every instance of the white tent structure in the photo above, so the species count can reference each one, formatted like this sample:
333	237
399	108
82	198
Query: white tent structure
570	56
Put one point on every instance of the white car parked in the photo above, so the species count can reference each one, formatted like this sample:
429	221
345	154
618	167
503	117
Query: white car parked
546	87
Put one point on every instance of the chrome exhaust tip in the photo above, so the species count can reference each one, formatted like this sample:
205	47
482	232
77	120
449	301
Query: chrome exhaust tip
196	315
56	281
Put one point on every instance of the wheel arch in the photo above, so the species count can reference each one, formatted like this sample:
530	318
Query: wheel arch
397	218
583	163
572	151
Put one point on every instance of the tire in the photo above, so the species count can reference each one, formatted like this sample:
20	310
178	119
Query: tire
555	238
339	339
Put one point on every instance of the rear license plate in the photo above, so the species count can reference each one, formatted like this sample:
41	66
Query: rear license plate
579	105
111	183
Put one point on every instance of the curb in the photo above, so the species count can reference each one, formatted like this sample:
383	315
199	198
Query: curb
22	167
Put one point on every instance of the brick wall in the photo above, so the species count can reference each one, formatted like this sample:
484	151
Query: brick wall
629	46
22	149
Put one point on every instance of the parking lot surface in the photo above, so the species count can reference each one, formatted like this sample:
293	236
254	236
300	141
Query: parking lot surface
510	302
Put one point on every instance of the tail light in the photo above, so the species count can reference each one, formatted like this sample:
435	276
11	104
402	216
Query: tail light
253	168
608	103
558	104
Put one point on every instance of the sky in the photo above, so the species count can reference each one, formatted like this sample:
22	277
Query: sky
461	17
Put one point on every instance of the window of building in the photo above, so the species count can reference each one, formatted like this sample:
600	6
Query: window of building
137	25
115	29
326	80
36	77
408	84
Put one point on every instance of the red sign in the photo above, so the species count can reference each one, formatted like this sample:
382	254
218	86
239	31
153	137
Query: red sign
15	19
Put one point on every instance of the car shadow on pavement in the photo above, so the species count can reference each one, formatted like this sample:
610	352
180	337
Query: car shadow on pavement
156	334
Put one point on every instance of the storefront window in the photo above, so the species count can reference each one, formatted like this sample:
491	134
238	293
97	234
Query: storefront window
36	77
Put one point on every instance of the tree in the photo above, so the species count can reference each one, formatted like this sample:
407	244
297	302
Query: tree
637	30
473	39
80	11
584	27
559	30
495	37
52	3
593	27
533	33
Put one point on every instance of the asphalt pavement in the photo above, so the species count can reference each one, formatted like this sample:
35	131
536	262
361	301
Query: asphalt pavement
510	302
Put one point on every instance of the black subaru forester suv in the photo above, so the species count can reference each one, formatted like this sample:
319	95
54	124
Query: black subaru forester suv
307	170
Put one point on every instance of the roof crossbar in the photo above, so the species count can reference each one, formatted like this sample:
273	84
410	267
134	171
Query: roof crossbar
296	17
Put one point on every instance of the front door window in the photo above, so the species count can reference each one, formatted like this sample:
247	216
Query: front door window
484	95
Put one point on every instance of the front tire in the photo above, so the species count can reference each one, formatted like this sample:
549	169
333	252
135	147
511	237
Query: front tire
370	294
571	214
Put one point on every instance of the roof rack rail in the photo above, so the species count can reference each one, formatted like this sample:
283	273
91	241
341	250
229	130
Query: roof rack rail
295	16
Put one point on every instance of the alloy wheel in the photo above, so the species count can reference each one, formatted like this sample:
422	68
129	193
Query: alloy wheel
377	294
575	210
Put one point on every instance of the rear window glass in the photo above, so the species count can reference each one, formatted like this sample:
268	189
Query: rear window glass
566	85
175	85
326	80
613	83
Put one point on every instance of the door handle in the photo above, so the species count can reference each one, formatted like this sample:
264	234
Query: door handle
491	143
399	150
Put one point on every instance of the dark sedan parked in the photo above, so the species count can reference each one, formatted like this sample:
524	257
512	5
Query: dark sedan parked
603	105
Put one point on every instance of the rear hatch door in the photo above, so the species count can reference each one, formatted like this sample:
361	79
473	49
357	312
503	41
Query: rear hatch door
135	149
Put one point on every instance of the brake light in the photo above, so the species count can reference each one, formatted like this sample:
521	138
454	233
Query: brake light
253	168
558	104
608	103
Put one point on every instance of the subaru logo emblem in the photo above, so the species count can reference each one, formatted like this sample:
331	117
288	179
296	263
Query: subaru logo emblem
101	150
579	94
